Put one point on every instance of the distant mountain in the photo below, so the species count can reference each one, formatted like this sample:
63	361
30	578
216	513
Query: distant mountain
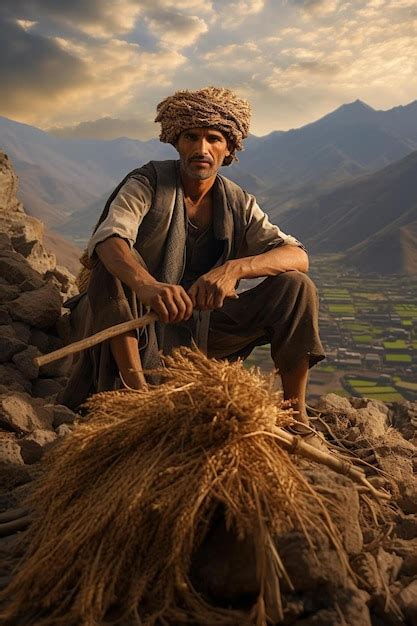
64	181
392	251
351	141
370	219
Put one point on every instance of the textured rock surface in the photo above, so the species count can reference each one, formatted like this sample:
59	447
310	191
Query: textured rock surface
26	238
40	308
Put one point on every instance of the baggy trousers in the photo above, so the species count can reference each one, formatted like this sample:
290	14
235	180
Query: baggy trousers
281	311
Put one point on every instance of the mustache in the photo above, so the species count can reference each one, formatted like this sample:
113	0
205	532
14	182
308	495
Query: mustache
200	159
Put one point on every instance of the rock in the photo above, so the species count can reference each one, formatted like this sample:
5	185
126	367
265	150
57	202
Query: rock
342	497
395	456
8	292
46	387
5	242
9	347
6	330
36	255
33	446
407	601
9	449
372	421
45	342
15	268
347	607
8	185
22	331
40	308
64	279
61	415
24	362
11	477
406	527
336	405
23	414
13	379
4	316
30	285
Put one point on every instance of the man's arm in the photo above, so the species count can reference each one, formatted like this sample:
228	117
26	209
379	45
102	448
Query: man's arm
170	302
210	290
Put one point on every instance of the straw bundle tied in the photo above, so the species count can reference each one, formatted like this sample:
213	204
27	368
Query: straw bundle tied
127	499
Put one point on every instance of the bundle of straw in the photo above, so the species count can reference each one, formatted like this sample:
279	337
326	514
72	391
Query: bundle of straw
127	499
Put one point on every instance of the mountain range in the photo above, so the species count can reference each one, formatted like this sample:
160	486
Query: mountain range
373	219
321	182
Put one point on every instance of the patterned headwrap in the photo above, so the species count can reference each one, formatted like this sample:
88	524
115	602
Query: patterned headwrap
216	107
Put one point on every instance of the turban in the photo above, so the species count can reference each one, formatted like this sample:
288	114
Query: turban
216	107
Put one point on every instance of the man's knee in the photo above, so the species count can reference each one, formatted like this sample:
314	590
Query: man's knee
295	280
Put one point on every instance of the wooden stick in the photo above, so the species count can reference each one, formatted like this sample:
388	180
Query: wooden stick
93	340
295	444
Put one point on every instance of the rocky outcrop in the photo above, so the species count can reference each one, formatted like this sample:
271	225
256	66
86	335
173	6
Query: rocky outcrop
32	322
26	233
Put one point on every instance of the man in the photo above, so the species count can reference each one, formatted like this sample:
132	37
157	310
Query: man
176	237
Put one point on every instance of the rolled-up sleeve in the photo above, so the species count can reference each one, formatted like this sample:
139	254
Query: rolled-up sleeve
125	214
260	234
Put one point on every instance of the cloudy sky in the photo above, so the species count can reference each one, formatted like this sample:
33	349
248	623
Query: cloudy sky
98	68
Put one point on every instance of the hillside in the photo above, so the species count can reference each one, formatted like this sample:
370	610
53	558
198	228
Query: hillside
363	217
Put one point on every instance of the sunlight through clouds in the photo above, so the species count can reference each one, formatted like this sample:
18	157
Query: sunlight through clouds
295	59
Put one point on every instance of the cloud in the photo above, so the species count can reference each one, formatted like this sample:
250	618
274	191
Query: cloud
35	70
317	7
108	128
231	14
98	18
176	29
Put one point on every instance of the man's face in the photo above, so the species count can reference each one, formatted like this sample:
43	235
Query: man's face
202	151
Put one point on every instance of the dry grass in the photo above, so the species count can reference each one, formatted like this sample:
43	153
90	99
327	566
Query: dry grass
127	499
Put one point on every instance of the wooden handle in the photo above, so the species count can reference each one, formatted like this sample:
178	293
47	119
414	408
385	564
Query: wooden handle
89	342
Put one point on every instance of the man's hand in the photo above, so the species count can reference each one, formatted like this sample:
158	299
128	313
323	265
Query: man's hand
210	290
170	302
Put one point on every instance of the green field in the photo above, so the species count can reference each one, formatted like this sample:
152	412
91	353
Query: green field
398	358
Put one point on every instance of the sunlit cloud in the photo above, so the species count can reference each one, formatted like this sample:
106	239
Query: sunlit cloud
100	66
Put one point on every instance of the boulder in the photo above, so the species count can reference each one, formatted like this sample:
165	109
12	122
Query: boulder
22	331
64	280
40	308
9	346
372	421
8	292
23	414
61	415
9	449
8	185
13	379
24	362
6	330
38	258
5	243
4	316
336	405
16	270
33	446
